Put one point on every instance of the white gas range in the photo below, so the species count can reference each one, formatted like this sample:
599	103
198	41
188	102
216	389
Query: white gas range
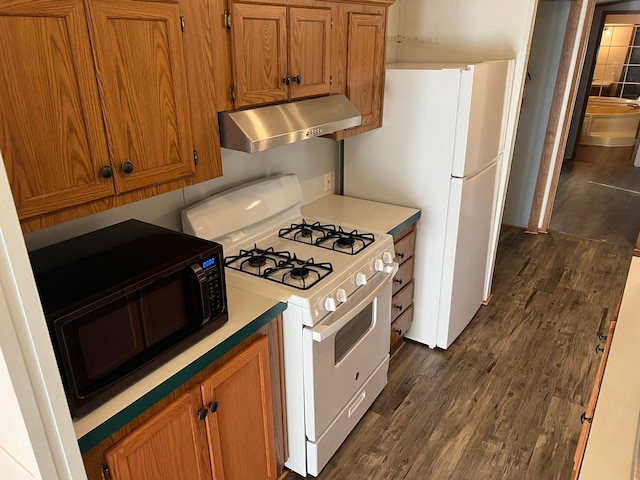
336	280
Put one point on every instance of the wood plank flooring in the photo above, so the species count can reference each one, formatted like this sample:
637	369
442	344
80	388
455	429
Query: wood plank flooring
504	401
598	196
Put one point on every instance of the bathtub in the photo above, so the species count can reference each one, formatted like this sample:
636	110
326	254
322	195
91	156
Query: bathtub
610	122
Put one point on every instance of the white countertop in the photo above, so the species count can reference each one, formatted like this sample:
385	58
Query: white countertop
610	446
377	216
243	308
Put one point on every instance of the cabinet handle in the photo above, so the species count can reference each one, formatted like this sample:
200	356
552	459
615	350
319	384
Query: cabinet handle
584	418
127	167
398	331
106	171
287	80
202	413
213	407
398	281
399	307
400	255
297	79
599	349
602	337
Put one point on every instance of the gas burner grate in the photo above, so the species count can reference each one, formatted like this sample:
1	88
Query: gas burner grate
280	267
327	236
301	274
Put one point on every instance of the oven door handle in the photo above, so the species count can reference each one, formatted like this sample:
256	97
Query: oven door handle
325	329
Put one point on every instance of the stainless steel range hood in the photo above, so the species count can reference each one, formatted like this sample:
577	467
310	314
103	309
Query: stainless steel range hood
261	128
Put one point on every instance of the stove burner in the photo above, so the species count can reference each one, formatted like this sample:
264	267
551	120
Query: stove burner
258	261
327	236
345	242
279	267
299	273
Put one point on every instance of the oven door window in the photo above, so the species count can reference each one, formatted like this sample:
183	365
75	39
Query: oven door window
349	335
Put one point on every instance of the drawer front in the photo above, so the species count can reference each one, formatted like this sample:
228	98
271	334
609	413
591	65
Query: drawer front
404	247
404	276
398	328
401	301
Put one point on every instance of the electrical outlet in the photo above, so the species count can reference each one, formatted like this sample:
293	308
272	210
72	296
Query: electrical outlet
328	182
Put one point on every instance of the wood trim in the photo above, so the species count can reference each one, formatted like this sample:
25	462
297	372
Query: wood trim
558	124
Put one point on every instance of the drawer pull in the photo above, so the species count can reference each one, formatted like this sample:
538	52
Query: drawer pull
584	418
599	349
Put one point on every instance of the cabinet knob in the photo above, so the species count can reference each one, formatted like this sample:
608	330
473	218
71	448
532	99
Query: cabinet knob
599	349
400	255
127	167
213	406
602	337
398	331
584	418
399	307
298	79
287	80
202	413
398	281
106	171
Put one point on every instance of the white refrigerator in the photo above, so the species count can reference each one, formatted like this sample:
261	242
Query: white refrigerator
440	149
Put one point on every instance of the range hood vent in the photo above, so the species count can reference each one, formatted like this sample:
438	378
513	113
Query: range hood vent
261	128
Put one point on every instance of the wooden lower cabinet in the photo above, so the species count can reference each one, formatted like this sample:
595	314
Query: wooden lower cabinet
226	424
593	400
208	432
402	301
170	445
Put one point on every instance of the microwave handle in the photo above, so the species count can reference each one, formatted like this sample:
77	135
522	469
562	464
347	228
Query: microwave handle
324	331
203	305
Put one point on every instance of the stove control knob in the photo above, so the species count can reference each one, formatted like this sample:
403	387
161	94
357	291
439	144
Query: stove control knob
387	257
330	304
361	279
378	265
341	295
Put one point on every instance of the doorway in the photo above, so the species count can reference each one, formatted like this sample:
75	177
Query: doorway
598	194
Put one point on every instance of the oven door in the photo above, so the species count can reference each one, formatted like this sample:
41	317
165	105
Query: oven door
342	351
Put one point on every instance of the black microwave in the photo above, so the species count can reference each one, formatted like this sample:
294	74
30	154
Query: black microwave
122	300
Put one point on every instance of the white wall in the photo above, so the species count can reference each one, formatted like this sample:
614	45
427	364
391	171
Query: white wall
308	159
543	64
37	434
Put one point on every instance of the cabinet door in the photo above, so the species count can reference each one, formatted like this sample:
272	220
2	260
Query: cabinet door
365	65
259	52
141	74
310	51
170	445
240	431
51	130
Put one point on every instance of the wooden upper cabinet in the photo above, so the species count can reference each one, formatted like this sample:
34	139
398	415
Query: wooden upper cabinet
309	51
259	45
172	444
241	439
142	79
279	52
365	64
51	129
361	63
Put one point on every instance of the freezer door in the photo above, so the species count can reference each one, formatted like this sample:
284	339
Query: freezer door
480	126
471	205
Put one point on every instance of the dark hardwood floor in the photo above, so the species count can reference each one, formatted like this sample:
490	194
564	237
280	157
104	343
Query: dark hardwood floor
504	401
598	196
